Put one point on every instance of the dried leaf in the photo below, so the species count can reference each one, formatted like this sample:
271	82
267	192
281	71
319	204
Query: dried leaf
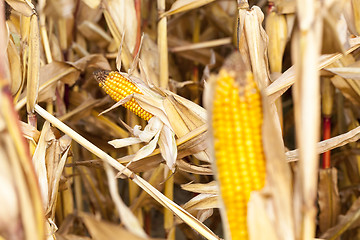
32	88
126	216
346	72
187	167
104	230
281	84
92	3
326	145
253	41
210	187
168	147
123	15
15	68
119	143
185	5
346	221
329	199
24	7
39	161
260	227
30	132
202	201
280	184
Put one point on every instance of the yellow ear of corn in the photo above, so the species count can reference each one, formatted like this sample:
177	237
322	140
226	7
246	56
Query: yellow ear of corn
236	124
119	87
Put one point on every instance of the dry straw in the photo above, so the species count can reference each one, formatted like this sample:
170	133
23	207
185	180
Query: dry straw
71	156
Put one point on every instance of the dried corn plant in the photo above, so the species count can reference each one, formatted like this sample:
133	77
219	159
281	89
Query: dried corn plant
177	119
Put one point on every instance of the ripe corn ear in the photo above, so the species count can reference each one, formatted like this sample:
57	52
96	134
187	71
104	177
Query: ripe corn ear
118	87
239	158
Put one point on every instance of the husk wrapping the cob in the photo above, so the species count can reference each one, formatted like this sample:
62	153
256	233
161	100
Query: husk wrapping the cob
236	121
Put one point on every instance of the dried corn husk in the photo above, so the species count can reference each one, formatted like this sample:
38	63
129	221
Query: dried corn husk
253	43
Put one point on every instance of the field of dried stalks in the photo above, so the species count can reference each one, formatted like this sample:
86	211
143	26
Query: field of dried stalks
74	164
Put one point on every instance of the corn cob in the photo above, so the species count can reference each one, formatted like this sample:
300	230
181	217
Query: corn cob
118	87
236	124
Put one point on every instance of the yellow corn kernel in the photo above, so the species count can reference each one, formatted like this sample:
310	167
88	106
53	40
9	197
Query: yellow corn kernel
239	157
119	87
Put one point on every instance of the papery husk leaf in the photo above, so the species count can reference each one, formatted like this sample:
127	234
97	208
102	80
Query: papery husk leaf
149	50
276	29
210	187
168	148
356	12
184	5
253	41
195	169
152	106
345	222
202	201
54	184
92	3
346	72
335	36
30	132
206	44
25	8
177	123
260	227
147	149
285	6
183	118
196	109
61	10
154	126
189	144
204	214
124	16
119	143
39	161
33	73
279	185
327	96
329	199
15	68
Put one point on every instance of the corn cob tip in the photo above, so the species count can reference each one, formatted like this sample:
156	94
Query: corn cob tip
235	65
119	87
101	75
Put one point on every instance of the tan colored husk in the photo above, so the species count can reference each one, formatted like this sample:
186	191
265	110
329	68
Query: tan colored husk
253	43
184	5
276	29
329	199
284	82
15	69
327	96
279	186
163	45
177	210
32	88
77	37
